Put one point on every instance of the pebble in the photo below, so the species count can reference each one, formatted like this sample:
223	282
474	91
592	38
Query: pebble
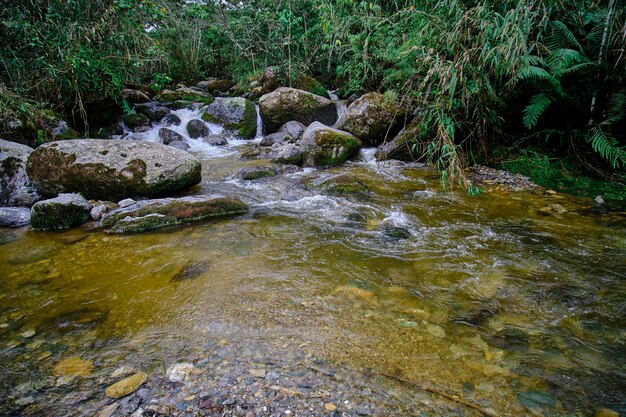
257	373
126	385
28	334
108	410
329	407
73	366
180	371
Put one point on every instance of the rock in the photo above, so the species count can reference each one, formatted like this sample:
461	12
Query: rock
111	170
135	96
536	399
73	321
215	140
324	146
215	84
171	120
73	366
288	104
182	104
179	372
403	147
249	174
329	407
395	233
14	216
98	211
293	128
289	154
191	270
16	189
109	410
236	114
278	137
352	98
310	84
19	130
126	386
345	184
196	128
155	214
126	202
152	111
183	146
183	93
168	136
257	373
599	200
62	212
135	121
372	118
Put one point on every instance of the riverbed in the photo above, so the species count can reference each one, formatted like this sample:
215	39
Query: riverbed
399	299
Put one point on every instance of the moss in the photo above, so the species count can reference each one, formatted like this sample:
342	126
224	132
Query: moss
57	216
247	127
134	120
345	185
209	118
310	84
335	148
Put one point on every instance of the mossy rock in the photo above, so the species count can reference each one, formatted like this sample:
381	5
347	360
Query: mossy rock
345	185
251	174
310	84
403	147
63	212
286	104
373	118
326	147
183	93
156	214
111	170
135	120
236	114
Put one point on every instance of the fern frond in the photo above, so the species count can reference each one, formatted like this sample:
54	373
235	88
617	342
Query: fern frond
605	145
562	37
561	60
535	109
617	111
532	73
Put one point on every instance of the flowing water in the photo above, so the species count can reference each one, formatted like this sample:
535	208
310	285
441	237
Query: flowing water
493	298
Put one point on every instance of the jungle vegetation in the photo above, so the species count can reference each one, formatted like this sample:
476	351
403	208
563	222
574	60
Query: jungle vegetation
532	85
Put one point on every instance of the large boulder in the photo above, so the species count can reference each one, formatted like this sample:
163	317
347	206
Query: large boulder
62	212
310	84
16	189
402	148
324	146
372	118
111	169
235	113
287	104
14	216
156	214
18	129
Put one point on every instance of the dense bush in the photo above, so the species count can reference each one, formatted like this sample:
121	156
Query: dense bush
480	73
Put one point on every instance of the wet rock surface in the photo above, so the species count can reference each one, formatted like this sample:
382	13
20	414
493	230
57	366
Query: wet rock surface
14	216
16	189
235	114
156	214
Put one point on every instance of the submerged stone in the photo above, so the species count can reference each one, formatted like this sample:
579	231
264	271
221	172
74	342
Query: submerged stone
111	170
63	212
73	321
345	185
156	214
127	385
191	270
536	399
73	366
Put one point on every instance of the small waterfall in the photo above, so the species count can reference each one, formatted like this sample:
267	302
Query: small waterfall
333	95
259	123
340	104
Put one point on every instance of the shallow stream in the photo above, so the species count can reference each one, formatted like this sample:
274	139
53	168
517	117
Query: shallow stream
512	301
